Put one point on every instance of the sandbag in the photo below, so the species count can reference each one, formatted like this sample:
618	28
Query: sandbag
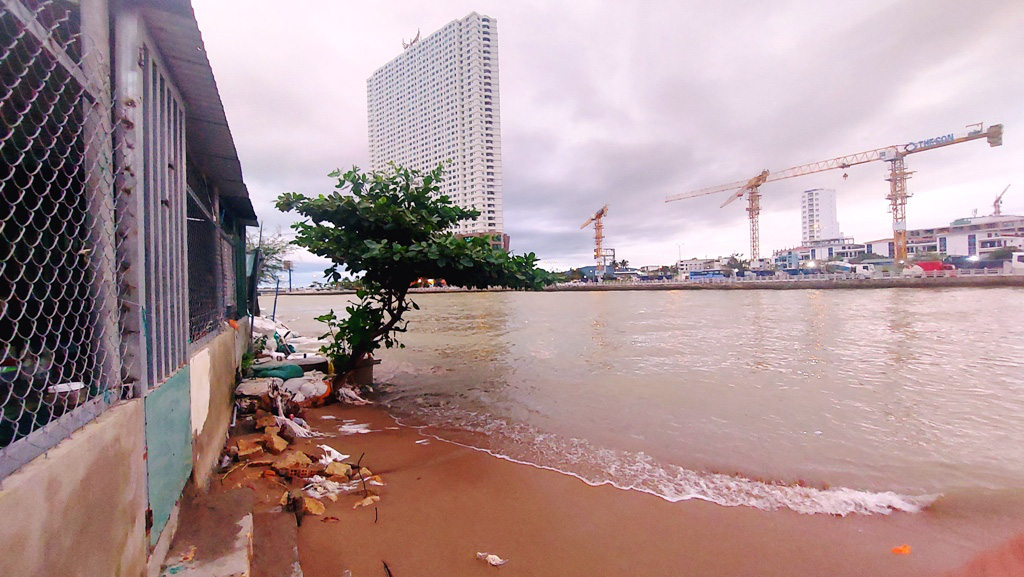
281	371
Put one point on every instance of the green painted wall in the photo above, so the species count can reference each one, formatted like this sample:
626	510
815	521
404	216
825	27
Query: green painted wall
168	446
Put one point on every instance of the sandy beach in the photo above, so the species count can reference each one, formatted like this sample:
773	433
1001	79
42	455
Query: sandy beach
443	503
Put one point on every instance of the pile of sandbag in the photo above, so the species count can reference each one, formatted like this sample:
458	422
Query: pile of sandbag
283	396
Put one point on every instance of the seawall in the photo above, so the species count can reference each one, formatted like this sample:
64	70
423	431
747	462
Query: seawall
798	284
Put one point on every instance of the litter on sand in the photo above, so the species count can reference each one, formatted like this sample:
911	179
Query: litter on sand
188	555
319	487
901	550
349	395
366	502
491	559
331	455
423	442
296	429
355	429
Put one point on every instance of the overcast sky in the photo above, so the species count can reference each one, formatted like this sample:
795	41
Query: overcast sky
626	103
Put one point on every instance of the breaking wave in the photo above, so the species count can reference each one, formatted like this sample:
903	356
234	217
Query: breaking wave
637	471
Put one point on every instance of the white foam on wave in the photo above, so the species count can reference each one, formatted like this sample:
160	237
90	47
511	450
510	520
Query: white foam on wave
641	472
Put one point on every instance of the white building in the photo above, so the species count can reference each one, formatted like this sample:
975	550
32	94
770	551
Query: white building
820	250
818	215
686	266
884	247
438	102
968	236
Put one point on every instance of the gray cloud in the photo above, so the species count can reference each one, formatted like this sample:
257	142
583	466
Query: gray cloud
609	102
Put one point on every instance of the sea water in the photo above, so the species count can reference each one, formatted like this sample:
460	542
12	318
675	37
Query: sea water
819	401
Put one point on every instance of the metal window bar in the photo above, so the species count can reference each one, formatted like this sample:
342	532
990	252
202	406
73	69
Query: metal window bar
228	246
60	363
165	199
204	271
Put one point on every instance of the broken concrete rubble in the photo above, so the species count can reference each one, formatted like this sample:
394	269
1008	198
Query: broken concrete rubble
311	506
292	459
275	444
248	448
338	469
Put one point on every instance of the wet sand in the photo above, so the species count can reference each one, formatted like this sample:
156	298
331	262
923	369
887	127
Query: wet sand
444	503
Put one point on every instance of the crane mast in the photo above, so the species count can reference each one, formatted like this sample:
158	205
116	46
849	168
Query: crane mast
898	175
599	253
997	206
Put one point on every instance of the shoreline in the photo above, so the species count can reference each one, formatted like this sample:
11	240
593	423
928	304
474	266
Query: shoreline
969	281
443	503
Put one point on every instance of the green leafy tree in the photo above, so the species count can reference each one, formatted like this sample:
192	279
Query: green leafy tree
393	227
1002	253
274	248
737	264
866	256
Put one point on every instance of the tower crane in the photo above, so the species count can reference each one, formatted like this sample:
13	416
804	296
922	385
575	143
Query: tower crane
598	238
898	175
997	206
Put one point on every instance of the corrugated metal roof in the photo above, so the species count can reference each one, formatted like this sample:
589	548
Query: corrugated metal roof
173	27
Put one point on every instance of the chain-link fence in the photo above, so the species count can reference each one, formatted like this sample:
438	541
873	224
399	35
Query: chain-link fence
216	261
114	253
59	343
204	264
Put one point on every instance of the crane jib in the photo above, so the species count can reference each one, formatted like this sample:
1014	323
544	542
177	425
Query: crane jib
920	144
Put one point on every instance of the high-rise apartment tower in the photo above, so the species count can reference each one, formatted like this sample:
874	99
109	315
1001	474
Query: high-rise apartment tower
818	215
438	102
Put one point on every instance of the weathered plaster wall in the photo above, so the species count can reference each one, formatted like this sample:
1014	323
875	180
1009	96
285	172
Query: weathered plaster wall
168	447
80	508
212	373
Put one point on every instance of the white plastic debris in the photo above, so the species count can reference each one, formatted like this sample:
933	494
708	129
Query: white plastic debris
491	559
304	345
331	455
354	429
309	385
265	326
297	429
256	387
319	487
348	395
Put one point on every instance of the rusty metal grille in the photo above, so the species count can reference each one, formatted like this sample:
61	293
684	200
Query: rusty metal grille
60	362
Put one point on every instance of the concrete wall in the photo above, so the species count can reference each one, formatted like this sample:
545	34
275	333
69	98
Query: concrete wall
80	509
212	373
168	447
1002	280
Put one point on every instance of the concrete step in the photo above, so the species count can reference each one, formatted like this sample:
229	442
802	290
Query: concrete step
214	536
275	545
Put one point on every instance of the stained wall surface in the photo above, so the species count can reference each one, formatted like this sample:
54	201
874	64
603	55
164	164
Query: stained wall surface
80	509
